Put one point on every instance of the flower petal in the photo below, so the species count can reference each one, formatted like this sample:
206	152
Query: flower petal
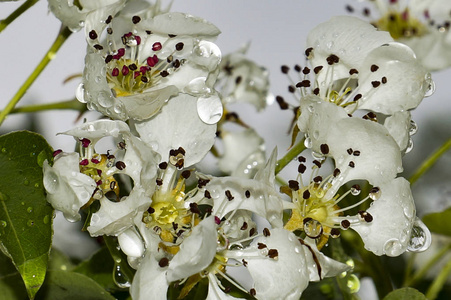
399	125
67	188
196	252
389	233
178	125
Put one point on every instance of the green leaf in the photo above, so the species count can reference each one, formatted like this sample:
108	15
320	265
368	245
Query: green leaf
71	286
439	222
99	267
25	216
406	293
11	284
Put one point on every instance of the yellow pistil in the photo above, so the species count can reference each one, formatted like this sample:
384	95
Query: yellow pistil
400	25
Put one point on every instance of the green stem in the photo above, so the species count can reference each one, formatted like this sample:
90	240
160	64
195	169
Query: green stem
425	268
15	14
438	282
292	154
60	39
68	104
430	161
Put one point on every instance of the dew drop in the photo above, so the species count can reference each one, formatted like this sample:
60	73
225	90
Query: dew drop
420	238
30	223
355	191
32	154
26	182
353	283
428	86
29	209
413	127
313	228
36	185
393	247
4	150
51	182
409	146
105	99
120	279
46	219
308	142
42	156
3	223
80	93
209	109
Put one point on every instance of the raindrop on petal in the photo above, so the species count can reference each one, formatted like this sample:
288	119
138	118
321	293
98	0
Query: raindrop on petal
393	247
120	279
420	238
413	127
80	93
209	109
428	86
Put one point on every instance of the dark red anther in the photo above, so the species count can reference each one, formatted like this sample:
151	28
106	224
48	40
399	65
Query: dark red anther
99	182
138	40
157	46
217	220
84	162
115	72
136	74
85	142
143	69
152	60
95	161
56	152
125	70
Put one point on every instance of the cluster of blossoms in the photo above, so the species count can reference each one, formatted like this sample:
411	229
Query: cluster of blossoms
165	88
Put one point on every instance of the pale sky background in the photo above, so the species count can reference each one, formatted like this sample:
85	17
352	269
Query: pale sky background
277	31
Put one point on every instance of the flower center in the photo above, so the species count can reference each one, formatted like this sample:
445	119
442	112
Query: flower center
165	213
400	24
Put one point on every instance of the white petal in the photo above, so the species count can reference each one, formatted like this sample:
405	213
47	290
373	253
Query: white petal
350	38
182	24
67	188
399	125
317	118
290	262
237	147
233	227
178	125
131	243
389	233
114	218
320	266
141	163
196	252
215	292
149	281
406	80
98	129
379	159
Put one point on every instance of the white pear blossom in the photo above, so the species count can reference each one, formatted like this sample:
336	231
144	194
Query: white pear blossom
140	61
242	80
244	153
362	150
423	25
354	66
228	238
76	180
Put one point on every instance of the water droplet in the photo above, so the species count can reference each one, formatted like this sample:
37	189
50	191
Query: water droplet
80	93
36	185
42	156
3	223
51	182
355	191
105	99
4	150
329	45
420	238
30	223
46	219
120	279
32	154
409	146
198	86
209	109
308	142
393	247
353	283
399	169
428	85
29	209
375	194
413	127
26	182
313	228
